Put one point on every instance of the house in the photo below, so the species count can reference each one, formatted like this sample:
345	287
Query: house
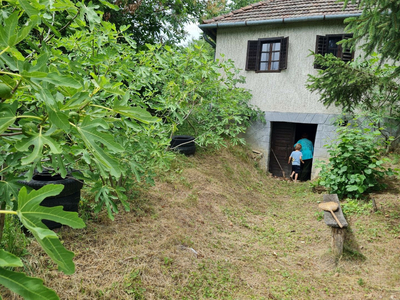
270	41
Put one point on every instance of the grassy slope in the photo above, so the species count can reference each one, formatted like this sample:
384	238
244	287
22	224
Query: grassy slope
214	227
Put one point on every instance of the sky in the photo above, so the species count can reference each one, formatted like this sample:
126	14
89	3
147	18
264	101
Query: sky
193	32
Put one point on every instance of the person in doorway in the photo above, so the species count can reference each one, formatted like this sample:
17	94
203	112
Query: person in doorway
307	149
295	159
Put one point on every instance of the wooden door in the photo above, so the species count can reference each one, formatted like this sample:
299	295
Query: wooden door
282	141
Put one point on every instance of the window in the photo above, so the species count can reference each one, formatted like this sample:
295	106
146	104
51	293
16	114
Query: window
267	55
328	44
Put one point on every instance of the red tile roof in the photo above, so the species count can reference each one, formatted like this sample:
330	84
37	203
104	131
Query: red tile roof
285	9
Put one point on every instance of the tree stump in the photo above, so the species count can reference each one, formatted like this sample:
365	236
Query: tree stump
338	234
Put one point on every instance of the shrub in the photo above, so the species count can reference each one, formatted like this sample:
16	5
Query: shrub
354	167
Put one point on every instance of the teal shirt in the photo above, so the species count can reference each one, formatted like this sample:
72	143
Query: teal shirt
307	148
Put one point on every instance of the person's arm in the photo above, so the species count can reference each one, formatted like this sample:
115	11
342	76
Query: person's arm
301	159
290	158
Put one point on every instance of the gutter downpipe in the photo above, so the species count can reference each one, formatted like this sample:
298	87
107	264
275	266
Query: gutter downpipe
208	40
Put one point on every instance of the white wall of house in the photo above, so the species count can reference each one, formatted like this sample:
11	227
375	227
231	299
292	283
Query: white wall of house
283	95
284	91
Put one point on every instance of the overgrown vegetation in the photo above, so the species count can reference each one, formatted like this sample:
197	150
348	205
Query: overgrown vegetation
355	165
76	92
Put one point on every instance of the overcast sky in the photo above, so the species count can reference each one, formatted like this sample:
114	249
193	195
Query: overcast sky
193	32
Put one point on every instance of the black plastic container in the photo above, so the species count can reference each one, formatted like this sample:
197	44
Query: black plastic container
69	197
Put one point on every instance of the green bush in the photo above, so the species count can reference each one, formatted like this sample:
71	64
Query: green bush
354	167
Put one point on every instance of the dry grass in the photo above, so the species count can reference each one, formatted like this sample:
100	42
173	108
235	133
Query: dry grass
215	227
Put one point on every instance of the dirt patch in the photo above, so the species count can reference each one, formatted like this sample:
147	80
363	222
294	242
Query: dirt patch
216	227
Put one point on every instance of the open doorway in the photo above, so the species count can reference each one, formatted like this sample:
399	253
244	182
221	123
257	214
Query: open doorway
283	137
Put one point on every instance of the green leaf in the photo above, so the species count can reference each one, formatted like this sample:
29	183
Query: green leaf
33	21
28	8
29	288
62	80
52	28
38	141
91	16
91	135
109	5
136	113
8	188
7	117
59	119
10	24
31	214
76	101
351	188
18	55
368	171
9	260
57	163
34	74
111	164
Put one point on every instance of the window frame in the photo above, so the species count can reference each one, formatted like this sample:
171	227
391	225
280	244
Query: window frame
254	53
322	47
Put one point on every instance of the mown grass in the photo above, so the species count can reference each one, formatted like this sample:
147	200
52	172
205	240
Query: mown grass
215	227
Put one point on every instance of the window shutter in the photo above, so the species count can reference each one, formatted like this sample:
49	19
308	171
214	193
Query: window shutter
322	44
321	47
284	53
347	55
251	59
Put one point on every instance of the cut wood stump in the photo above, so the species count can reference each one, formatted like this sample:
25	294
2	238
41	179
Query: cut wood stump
338	234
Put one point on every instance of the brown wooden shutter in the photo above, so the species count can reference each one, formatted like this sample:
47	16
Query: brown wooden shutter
284	53
347	55
251	59
321	47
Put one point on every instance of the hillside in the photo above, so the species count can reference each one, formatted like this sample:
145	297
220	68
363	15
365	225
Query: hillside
216	227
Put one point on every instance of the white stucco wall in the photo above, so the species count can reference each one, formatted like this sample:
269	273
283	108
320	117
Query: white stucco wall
284	91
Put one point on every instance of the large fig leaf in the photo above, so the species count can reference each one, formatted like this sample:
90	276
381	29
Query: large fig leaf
38	140
9	188
9	260
31	214
29	288
91	136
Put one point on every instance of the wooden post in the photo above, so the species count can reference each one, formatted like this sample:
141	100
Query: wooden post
338	236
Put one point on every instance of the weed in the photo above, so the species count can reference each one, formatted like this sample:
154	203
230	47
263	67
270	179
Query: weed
168	261
361	282
14	240
133	285
319	215
359	207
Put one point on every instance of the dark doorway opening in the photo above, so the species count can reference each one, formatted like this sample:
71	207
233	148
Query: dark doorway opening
283	137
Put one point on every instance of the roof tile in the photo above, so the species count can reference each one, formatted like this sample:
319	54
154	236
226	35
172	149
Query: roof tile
277	9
